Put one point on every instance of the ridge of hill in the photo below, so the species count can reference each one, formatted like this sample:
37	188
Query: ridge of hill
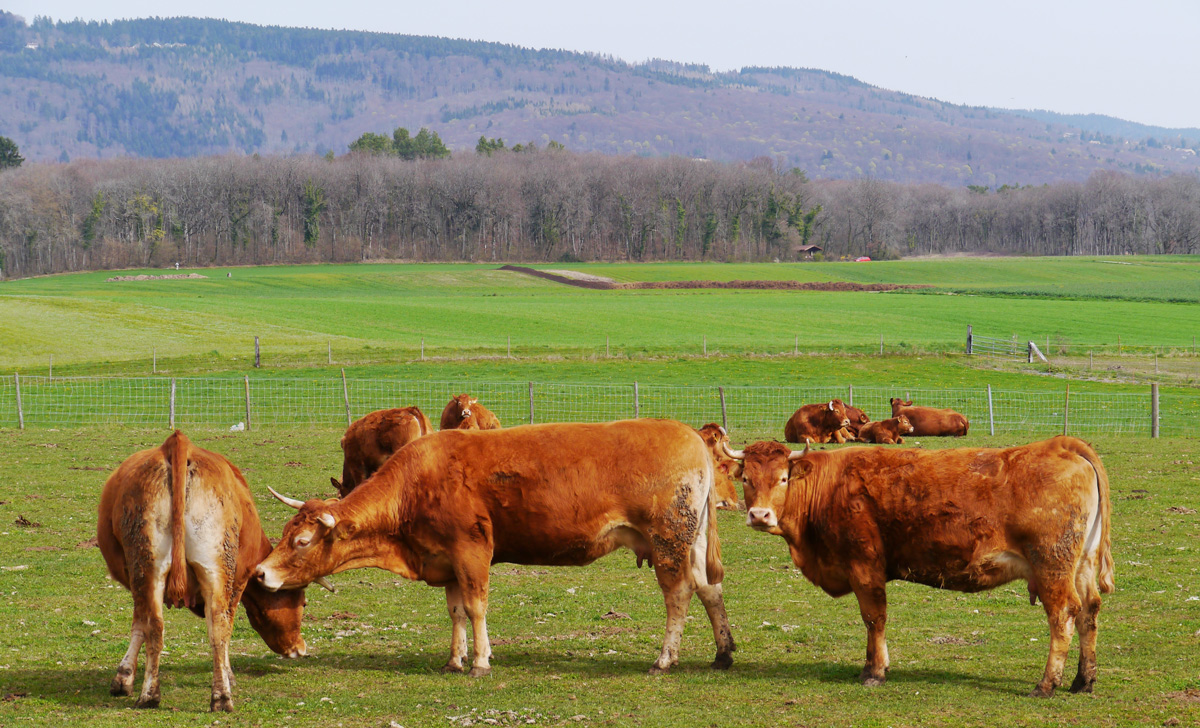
178	87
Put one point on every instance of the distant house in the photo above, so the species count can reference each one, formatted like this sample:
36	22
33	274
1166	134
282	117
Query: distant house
31	46
808	250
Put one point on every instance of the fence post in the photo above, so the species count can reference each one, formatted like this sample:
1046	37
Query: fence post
850	394
704	344
1066	407
171	416
422	348
51	375
968	338
724	423
154	360
880	343
991	413
636	404
510	346
606	347
247	404
257	358
20	412
329	352
1154	410
1029	353
531	403
796	346
346	396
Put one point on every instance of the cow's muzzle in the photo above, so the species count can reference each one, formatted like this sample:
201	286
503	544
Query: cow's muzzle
270	582
761	519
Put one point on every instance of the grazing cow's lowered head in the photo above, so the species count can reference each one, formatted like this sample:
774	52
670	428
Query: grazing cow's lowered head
765	478
277	616
727	471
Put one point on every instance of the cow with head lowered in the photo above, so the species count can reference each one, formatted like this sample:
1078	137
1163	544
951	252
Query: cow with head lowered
463	412
931	421
447	506
370	440
965	519
177	525
825	422
727	470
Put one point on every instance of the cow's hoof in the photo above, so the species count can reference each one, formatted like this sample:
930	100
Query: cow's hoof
871	680
723	662
1042	692
221	704
450	668
656	670
1082	684
480	671
147	702
120	688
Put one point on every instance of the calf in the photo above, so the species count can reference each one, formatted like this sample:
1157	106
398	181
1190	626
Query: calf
818	423
372	439
193	546
967	520
930	421
463	412
727	469
886	432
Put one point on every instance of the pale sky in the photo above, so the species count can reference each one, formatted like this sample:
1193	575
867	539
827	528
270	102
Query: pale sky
1138	61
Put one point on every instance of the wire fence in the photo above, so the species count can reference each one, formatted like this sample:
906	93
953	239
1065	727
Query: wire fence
222	402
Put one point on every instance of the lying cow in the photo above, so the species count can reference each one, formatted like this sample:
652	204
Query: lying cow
886	432
857	418
192	546
967	520
727	469
372	439
930	421
447	506
463	412
818	423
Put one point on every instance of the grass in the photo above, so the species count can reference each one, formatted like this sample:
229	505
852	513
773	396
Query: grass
376	645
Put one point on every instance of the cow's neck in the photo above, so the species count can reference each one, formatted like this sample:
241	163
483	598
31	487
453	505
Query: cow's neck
378	541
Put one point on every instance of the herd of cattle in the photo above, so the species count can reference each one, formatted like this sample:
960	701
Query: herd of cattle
442	507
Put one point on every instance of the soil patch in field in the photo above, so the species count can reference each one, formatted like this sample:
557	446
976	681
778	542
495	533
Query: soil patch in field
144	277
599	283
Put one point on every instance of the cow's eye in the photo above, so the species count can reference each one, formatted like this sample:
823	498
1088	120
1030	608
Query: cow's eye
302	541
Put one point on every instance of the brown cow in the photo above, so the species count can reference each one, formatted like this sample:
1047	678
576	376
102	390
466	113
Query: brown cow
727	469
818	423
857	418
447	506
372	439
192	546
967	519
930	421
886	432
463	412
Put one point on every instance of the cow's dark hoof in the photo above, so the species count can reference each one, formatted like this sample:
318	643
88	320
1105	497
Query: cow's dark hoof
723	662
451	668
1042	692
871	680
656	670
147	702
480	671
120	688
221	704
1082	684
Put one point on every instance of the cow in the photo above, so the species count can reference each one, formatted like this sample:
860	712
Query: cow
964	519
818	423
727	470
372	439
194	546
463	412
886	432
857	418
447	506
930	421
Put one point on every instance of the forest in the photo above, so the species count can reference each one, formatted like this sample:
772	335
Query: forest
550	205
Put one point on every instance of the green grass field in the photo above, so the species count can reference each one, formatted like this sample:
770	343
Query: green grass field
376	645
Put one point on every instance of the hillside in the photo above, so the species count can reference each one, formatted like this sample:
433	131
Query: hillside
185	87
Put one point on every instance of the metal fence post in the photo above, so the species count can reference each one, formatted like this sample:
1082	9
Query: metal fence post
257	358
724	422
247	404
20	411
171	416
1066	407
346	396
991	413
1154	410
704	344
969	338
635	400
531	403
850	394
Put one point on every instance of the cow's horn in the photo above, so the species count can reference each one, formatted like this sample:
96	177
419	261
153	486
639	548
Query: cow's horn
797	455
289	501
735	454
323	582
327	520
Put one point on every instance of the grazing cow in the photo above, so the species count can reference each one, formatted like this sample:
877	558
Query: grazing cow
371	440
930	421
857	418
192	546
463	412
818	423
447	506
886	432
968	519
727	469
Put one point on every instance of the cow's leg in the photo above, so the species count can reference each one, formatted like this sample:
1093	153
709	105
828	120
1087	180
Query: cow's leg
149	590
869	587
472	574
677	593
215	587
1086	623
122	683
714	603
458	629
1062	604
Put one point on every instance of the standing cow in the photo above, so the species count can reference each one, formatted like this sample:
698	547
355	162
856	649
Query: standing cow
968	520
372	439
818	423
727	470
463	412
193	546
447	506
930	421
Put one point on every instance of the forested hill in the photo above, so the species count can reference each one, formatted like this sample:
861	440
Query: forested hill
178	87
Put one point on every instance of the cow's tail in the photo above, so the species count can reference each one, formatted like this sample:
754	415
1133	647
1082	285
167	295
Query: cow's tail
966	425
714	569
176	450
1105	578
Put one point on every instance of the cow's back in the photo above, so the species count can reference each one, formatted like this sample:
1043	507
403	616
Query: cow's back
934	422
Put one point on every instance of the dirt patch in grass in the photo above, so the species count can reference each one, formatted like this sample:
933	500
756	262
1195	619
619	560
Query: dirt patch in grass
598	284
144	277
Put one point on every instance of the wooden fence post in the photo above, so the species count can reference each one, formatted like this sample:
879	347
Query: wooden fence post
991	413
850	394
531	403
154	360
329	352
1066	407
724	422
51	375
880	343
171	416
510	346
20	411
422	348
247	404
636	404
346	396
704	344
968	338
606	347
1154	410
257	357
796	346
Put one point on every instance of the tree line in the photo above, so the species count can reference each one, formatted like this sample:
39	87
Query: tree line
549	205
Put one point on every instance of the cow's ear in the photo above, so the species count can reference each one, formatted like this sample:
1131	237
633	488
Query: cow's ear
337	484
799	469
474	401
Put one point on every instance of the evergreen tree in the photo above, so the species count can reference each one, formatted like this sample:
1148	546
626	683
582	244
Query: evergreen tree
10	156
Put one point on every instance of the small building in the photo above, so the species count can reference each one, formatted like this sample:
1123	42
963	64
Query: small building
808	250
